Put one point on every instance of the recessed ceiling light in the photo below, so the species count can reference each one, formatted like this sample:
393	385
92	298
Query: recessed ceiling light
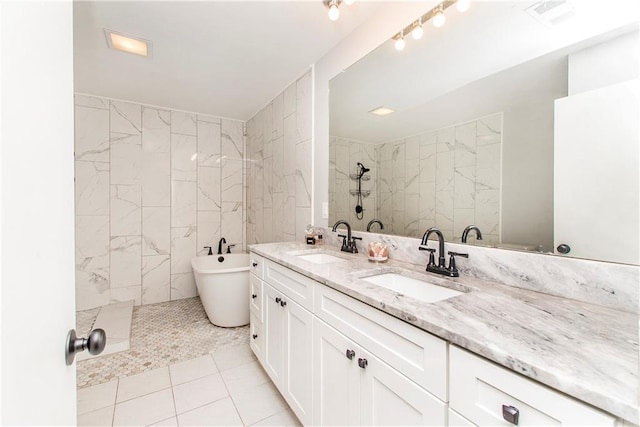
127	44
382	111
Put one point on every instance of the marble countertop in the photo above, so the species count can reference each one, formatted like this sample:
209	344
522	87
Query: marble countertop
584	350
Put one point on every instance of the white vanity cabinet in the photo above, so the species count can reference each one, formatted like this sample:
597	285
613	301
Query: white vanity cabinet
479	389
288	332
360	362
338	361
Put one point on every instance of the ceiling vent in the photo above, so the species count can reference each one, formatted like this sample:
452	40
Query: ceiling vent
548	12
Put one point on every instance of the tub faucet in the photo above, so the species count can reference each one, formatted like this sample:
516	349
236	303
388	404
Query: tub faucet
348	241
223	240
440	268
374	221
469	228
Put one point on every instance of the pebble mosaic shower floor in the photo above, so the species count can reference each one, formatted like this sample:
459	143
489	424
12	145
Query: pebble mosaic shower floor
161	334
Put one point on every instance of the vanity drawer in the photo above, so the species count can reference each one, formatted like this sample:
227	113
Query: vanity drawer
256	337
255	297
256	264
294	285
479	389
415	353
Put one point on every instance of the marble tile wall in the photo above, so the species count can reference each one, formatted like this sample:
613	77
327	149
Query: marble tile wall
344	155
279	166
153	186
447	178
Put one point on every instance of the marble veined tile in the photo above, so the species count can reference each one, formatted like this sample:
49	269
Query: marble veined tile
92	188
445	174
232	226
412	147
209	143
126	159
183	249
156	130
465	188
183	123
184	155
444	210
303	108
289	145
183	206
126	214
126	254
445	139
231	177
303	174
156	231
278	163
183	285
92	261
125	117
488	211
488	167
209	231
209	189
232	139
267	124
278	116
91	101
465	145
427	200
489	129
156	179
91	134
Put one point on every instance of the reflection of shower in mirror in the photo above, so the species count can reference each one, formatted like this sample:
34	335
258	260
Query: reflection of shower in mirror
358	192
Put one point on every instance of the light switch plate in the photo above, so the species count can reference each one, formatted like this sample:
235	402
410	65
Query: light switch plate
325	210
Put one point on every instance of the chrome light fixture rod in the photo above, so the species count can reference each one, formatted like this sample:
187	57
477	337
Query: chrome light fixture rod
424	18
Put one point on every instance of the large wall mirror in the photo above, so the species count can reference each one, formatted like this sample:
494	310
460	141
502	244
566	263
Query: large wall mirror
519	121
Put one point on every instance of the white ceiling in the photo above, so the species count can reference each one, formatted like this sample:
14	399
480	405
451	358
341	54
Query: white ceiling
226	59
449	68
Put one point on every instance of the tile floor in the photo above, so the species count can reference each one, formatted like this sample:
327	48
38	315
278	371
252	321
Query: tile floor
227	387
161	334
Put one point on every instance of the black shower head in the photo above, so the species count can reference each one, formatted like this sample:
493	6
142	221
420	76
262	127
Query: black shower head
363	170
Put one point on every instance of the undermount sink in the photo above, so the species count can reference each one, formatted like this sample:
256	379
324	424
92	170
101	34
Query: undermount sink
320	258
414	288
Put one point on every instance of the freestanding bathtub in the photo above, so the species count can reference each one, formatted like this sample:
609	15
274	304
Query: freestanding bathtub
223	285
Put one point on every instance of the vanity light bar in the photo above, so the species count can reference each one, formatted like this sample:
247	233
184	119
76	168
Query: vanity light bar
436	15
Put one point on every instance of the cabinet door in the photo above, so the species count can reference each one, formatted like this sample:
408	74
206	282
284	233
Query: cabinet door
298	361
273	334
256	339
336	378
388	398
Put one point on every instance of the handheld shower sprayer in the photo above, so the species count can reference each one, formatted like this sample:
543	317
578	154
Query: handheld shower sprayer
359	208
363	170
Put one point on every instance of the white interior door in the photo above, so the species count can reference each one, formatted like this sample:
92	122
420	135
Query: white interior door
596	172
37	212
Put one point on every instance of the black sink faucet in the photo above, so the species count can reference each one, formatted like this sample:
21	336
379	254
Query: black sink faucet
348	241
469	228
440	268
374	221
223	240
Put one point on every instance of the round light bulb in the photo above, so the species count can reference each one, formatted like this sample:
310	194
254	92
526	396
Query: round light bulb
400	43
334	12
417	32
463	5
439	19
349	2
